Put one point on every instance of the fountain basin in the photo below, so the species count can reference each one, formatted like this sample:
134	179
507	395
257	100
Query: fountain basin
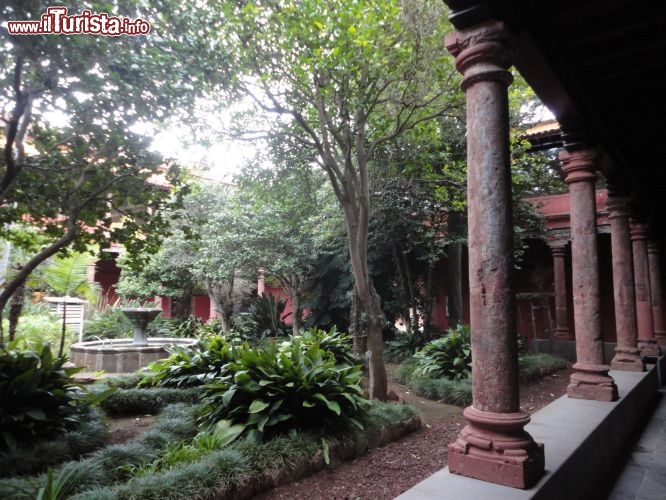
122	355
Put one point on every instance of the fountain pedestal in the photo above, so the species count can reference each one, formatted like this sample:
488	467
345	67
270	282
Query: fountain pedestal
140	317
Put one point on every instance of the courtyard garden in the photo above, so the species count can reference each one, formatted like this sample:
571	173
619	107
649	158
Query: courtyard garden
231	418
287	181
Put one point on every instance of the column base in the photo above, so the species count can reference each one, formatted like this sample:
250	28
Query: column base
649	348
494	447
660	336
562	334
592	382
627	359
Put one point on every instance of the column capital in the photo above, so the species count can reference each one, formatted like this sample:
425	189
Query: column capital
638	230
483	53
558	250
617	205
579	165
653	247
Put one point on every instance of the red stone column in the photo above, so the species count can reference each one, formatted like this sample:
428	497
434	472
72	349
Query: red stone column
562	331
494	445
645	322
656	293
627	355
590	379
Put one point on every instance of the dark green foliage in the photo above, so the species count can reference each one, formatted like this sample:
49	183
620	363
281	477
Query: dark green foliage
381	414
455	392
110	324
37	397
449	356
535	366
406	370
88	435
338	344
187	328
124	381
265	317
269	392
144	401
167	463
404	346
459	392
279	452
191	366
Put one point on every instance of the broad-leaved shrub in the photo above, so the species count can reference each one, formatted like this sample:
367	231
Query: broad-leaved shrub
449	356
271	391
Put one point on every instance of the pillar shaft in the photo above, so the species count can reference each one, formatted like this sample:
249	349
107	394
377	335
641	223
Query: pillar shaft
656	293
627	356
562	331
493	446
590	379
645	321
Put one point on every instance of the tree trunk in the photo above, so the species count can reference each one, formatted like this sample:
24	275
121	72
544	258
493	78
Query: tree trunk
427	303
63	332
368	299
15	308
296	303
356	328
184	305
406	296
222	297
456	228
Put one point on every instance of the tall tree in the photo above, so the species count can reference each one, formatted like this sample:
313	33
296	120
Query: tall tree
350	76
71	162
286	222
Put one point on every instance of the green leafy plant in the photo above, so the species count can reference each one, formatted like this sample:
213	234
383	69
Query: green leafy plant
338	344
535	366
110	324
38	399
449	356
35	329
191	366
265	316
404	346
68	276
268	392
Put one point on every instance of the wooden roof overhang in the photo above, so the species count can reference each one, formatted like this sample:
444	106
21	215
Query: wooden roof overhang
600	67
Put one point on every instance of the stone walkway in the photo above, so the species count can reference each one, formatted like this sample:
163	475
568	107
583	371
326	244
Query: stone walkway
643	476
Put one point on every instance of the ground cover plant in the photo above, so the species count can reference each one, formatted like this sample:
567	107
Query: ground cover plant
173	460
458	391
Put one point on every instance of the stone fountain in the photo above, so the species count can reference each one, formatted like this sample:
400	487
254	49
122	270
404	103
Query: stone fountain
126	355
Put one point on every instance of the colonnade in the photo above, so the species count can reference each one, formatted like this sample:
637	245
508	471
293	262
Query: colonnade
494	445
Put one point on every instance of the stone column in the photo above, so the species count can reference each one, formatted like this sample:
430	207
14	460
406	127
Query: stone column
562	331
656	293
645	322
494	445
590	379
627	355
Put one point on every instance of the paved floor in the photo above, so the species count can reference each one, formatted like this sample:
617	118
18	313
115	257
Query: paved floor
581	438
643	476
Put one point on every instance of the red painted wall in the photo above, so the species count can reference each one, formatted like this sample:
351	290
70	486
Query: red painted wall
201	307
107	274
